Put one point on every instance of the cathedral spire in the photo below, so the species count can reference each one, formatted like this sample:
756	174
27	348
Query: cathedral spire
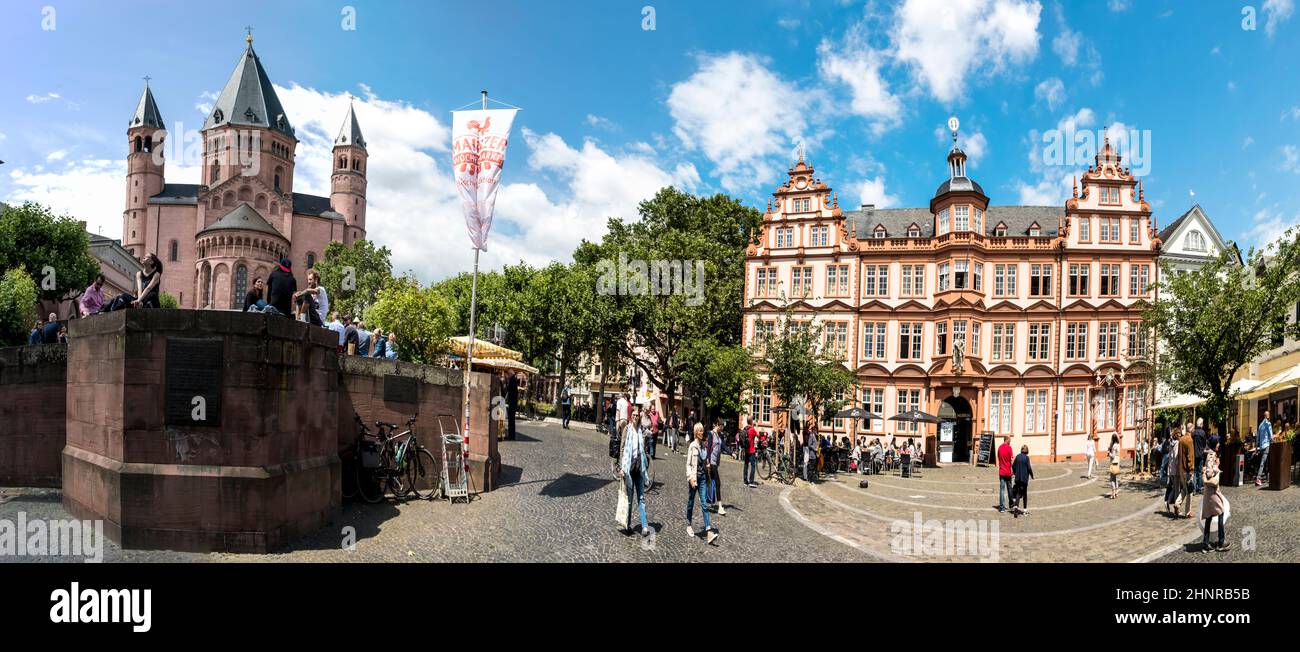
248	98
350	132
146	111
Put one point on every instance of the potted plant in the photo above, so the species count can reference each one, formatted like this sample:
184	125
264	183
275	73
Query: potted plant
1279	460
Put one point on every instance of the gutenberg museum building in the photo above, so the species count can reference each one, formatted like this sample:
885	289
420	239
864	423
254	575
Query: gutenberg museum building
1019	320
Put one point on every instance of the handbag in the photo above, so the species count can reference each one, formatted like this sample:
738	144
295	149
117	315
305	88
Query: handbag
1114	468
622	514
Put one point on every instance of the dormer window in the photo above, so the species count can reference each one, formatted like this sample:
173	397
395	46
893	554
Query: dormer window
914	231
1195	241
1000	230
1035	230
880	232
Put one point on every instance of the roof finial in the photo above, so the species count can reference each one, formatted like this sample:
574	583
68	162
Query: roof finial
146	80
1074	183
801	151
249	39
953	124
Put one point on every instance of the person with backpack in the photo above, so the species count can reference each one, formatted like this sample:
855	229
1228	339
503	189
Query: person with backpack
697	478
715	479
632	468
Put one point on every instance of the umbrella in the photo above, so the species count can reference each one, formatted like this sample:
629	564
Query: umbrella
915	416
856	413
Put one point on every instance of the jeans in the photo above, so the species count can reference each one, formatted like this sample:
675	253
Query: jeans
670	437
1206	539
636	491
1198	480
701	481
1263	465
715	487
1021	496
650	446
1004	488
567	414
751	463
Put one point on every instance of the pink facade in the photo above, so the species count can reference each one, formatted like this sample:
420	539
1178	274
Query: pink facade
217	237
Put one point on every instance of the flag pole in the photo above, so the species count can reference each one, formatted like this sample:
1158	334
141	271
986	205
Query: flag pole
469	352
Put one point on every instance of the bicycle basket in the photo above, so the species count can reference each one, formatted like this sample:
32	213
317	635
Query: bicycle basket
371	454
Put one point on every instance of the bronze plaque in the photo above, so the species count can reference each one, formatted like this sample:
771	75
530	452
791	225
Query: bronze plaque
401	389
192	371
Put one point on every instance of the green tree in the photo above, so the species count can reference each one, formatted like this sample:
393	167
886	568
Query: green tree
55	250
18	295
457	290
719	374
166	300
354	275
652	321
1213	321
797	366
421	319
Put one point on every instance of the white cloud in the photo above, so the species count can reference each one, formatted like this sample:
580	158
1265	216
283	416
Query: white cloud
90	190
1050	190
1270	226
740	115
204	105
1074	51
1277	12
1118	5
975	145
788	23
604	123
1247	142
1293	113
857	65
1290	159
946	43
41	99
1051	92
872	191
57	155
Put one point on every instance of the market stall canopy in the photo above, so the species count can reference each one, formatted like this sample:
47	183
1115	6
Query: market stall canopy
1283	380
505	363
483	349
1176	402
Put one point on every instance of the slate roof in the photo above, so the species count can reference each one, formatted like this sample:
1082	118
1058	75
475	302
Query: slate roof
350	132
183	194
1017	219
244	217
146	111
249	99
311	205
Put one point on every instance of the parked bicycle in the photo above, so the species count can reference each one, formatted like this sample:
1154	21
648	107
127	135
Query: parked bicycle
394	464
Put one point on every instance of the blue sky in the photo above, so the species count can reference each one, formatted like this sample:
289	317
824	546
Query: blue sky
714	98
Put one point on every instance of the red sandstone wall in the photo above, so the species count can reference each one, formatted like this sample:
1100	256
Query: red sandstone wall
439	395
32	413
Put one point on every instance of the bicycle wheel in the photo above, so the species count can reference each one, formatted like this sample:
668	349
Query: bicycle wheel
420	470
765	467
650	474
370	485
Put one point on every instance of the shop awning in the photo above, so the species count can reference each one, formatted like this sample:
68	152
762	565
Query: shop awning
1286	379
483	349
1175	402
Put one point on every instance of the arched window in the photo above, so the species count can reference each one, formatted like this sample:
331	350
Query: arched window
245	194
1195	241
139	144
148	143
241	286
261	202
216	173
278	171
228	199
311	259
174	250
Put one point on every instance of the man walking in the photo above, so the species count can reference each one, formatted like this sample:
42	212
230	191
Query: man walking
715	458
751	455
1263	438
566	405
1198	442
1004	472
674	426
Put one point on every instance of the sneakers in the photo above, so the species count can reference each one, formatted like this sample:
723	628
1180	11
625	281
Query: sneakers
1224	547
712	536
690	532
722	511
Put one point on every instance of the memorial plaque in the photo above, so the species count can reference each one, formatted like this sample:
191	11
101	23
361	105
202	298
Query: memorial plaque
400	389
192	369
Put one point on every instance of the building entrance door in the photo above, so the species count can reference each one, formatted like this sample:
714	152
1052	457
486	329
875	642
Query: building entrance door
956	410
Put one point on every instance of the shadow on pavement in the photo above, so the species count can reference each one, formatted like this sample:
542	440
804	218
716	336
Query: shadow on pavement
571	484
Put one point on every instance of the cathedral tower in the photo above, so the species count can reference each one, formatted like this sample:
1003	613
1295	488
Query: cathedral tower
348	181
144	172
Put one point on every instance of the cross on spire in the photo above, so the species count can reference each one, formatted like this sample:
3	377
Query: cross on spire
249	38
146	79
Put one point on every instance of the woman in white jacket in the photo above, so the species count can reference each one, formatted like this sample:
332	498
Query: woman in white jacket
1090	454
632	466
697	479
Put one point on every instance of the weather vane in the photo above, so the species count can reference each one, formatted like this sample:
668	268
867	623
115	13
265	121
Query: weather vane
953	124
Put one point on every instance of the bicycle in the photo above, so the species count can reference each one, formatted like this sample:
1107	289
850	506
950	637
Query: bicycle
404	465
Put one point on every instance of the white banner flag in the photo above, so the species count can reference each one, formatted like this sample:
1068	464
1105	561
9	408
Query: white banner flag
478	150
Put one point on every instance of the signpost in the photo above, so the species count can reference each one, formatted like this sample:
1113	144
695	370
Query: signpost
986	448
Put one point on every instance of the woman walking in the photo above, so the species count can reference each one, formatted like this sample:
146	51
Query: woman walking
1213	503
1090	454
1114	453
697	479
632	466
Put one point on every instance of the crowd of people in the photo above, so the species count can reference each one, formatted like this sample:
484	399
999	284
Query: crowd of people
277	295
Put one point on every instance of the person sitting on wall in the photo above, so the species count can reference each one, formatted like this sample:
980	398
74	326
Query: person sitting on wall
255	299
147	281
92	300
35	336
381	343
312	302
349	336
390	349
363	339
280	287
50	332
63	335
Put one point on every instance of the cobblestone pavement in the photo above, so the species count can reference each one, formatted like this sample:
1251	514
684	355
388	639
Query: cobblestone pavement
1262	526
558	499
